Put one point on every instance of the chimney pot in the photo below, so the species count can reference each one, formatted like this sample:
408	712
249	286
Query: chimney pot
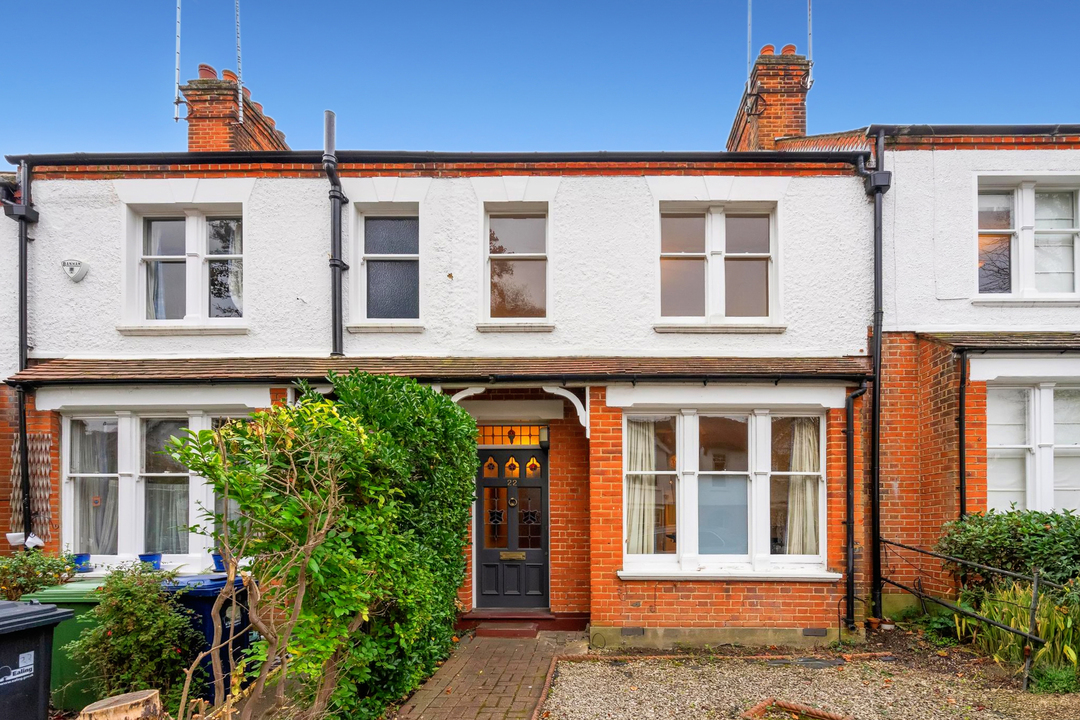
767	50
258	106
207	72
247	93
228	75
787	50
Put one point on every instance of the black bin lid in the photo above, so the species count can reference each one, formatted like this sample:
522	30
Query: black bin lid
16	616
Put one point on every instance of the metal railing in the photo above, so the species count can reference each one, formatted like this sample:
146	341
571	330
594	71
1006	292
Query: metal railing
1030	636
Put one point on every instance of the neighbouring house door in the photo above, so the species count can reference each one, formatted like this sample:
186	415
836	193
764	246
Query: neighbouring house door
512	529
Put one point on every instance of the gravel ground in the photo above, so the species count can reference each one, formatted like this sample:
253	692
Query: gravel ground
724	688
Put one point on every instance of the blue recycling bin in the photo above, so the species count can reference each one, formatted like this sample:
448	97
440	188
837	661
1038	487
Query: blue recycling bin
199	594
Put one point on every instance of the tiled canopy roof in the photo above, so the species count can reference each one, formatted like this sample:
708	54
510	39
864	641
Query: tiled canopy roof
1008	340
236	369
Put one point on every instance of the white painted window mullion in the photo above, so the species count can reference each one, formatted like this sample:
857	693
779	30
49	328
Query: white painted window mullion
1041	489
760	461
715	249
130	489
687	512
1026	238
194	246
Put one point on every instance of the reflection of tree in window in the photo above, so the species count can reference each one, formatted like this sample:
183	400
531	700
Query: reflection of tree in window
995	264
225	266
515	295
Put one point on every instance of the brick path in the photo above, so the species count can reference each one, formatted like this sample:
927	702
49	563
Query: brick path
490	678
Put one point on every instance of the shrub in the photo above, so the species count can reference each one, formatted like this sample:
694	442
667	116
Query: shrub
143	637
1057	620
30	571
1055	680
352	514
1019	541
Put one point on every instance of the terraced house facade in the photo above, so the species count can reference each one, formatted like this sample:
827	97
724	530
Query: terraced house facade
707	384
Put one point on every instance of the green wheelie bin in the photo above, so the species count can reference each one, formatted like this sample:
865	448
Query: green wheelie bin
68	691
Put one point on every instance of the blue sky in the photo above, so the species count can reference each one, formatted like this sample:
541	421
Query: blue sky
551	75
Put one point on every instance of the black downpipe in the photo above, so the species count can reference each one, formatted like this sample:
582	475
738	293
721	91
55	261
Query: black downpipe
877	183
24	213
849	520
962	431
337	265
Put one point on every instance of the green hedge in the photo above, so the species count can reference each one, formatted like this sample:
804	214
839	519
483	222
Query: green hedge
435	441
1019	540
388	467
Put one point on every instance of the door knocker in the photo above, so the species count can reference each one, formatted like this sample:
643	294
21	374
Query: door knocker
512	502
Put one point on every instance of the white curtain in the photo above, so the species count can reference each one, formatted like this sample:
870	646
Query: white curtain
93	451
236	285
96	515
155	290
802	511
641	489
167	515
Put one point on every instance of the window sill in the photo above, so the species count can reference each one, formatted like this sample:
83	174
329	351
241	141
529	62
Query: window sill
1027	302
384	328
514	327
740	575
182	329
706	328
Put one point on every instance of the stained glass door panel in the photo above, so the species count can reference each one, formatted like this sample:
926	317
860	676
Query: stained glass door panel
512	524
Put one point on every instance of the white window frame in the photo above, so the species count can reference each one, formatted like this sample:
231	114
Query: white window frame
363	323
131	491
715	256
1040	448
686	562
1023	232
197	318
533	209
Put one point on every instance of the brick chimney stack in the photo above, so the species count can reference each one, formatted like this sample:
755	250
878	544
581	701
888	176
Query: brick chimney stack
775	106
213	116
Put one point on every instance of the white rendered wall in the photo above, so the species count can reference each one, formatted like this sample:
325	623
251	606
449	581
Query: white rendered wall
930	240
9	297
603	262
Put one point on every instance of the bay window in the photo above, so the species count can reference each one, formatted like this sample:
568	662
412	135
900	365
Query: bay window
124	496
724	492
1033	447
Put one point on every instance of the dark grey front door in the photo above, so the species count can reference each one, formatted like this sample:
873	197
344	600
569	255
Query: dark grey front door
512	529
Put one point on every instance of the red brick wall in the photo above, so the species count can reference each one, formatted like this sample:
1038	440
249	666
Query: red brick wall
713	603
920	453
9	428
568	504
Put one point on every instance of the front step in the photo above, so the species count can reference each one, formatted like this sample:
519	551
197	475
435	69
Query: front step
507	629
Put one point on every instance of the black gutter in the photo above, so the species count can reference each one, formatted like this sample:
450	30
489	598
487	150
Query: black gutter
849	519
1050	130
877	183
314	157
337	265
464	379
962	431
24	213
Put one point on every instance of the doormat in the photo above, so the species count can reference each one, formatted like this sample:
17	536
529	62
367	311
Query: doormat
790	709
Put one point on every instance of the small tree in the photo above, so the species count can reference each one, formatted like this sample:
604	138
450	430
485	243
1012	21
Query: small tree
349	522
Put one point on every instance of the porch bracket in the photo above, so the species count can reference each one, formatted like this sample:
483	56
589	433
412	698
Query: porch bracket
583	416
467	392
